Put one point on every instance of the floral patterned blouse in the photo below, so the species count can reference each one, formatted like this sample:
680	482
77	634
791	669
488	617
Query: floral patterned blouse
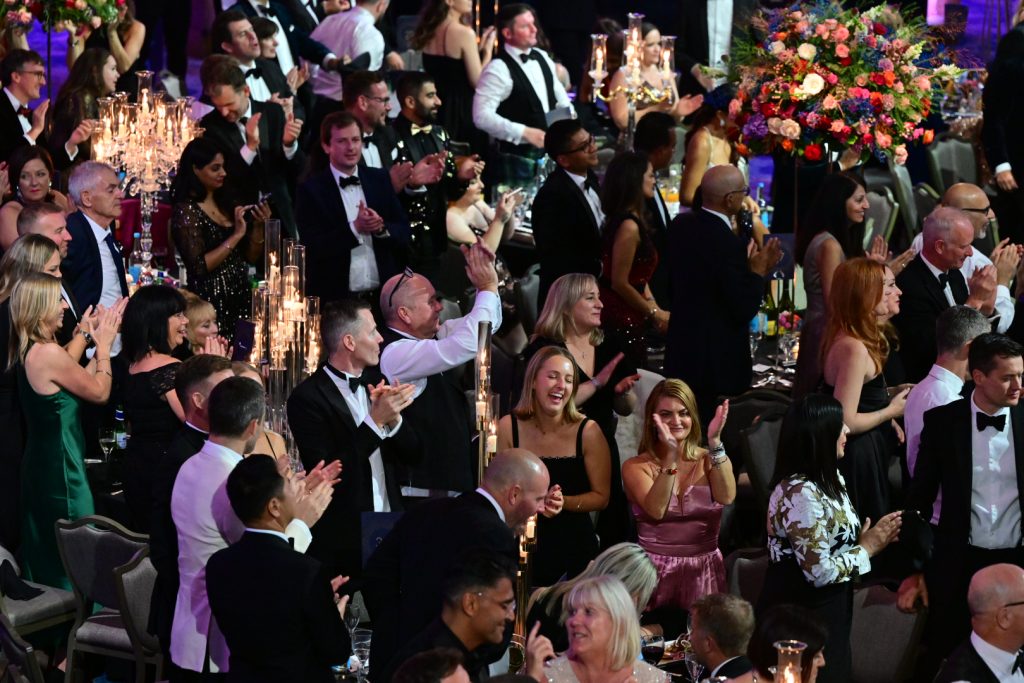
819	532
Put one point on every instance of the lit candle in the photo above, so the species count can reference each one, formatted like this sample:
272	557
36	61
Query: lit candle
481	409
531	528
599	60
492	443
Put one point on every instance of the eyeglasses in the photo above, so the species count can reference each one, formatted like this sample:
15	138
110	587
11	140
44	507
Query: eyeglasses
585	146
379	100
745	191
983	211
507	605
406	275
37	74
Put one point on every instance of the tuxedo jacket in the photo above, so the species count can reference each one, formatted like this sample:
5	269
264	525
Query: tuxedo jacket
403	578
567	234
965	664
1001	135
299	41
289	633
71	315
659	283
713	284
324	229
82	268
278	85
921	303
323	429
270	171
735	668
12	136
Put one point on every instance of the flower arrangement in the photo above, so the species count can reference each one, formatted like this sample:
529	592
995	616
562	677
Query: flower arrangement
16	14
63	15
817	76
790	321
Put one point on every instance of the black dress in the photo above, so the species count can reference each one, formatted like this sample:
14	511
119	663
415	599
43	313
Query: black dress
566	543
153	425
456	93
227	286
127	82
14	441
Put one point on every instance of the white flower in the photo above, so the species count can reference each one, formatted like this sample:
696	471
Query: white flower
806	51
813	84
777	47
789	129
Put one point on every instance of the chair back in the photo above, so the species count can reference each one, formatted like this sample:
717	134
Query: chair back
903	188
745	570
91	548
7	555
134	582
527	293
744	411
130	222
881	215
22	666
883	640
951	160
761	448
926	200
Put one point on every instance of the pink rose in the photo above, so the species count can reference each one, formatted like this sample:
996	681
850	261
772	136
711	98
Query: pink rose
900	154
863	128
821	31
837	126
842	51
831	78
861	79
872	41
883	140
801	27
735	106
888	102
840	34
829	102
923	83
898	86
80	5
796	15
774	123
789	129
25	17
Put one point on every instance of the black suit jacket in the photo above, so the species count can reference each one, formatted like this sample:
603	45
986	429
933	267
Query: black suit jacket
735	668
323	429
324	227
965	665
436	635
1002	136
661	288
567	234
71	315
278	85
299	41
12	136
921	303
246	596
711	283
270	171
402	581
82	268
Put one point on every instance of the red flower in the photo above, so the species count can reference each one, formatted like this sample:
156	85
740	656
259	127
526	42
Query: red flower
70	4
846	61
880	29
868	138
877	79
769	109
787	145
928	136
742	149
813	152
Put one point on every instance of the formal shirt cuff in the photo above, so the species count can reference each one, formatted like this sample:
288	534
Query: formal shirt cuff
518	130
31	140
380	432
247	155
290	150
415	190
1005	166
298	530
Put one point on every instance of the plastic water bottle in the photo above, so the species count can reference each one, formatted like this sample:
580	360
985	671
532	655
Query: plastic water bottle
135	261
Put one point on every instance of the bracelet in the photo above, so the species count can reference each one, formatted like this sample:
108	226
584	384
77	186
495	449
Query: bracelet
668	470
578	504
100	360
227	246
720	448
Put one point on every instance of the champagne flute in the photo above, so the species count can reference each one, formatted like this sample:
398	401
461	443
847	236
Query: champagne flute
353	616
107	441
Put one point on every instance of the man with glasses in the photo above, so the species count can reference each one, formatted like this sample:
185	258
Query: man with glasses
567	215
993	652
23	75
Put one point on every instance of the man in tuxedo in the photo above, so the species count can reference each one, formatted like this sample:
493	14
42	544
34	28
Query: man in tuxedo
993	652
932	282
972	452
259	139
307	636
1001	135
706	32
567	215
23	73
355	231
718	282
295	42
344	410
403	578
720	629
655	136
47	219
205	523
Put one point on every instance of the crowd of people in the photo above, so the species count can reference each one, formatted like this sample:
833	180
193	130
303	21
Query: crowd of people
420	190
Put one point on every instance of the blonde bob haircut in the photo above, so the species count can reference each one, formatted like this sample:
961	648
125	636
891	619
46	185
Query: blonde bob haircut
556	315
527	406
610	594
28	254
198	311
33	298
681	391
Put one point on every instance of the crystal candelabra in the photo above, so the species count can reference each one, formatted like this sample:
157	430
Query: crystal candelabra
143	141
635	89
286	339
486	401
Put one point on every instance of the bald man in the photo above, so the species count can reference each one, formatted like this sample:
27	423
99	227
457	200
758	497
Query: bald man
996	601
417	349
403	578
717	285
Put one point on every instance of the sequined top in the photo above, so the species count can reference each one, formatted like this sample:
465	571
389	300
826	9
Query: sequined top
559	670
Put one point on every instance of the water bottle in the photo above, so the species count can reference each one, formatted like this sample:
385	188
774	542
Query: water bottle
120	429
135	260
762	205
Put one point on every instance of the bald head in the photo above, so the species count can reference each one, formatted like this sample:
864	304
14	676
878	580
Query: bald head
948	234
519	481
992	595
722	189
410	304
973	201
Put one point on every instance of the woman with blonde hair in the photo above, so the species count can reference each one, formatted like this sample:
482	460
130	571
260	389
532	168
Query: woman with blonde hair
607	648
677	490
546	422
863	298
51	385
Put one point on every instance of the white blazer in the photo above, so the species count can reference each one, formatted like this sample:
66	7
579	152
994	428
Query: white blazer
206	523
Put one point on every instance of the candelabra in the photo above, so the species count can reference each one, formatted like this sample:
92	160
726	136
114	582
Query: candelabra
144	141
527	542
486	401
635	89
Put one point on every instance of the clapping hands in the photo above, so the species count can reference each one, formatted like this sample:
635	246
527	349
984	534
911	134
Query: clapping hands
388	401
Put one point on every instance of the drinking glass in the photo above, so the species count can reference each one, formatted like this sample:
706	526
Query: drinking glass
353	615
693	667
652	649
107	441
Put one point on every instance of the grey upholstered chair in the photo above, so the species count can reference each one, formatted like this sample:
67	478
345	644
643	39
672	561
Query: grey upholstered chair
883	640
91	549
22	666
761	448
744	570
134	583
54	606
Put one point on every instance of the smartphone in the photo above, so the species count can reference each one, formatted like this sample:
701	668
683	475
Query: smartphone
245	336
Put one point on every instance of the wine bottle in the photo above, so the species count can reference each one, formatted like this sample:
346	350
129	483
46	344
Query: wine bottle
770	311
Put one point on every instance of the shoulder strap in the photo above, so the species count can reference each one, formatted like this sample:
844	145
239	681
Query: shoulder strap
579	436
515	430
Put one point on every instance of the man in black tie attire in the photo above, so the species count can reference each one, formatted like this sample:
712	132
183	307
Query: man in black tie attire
567	215
655	136
721	625
972	451
23	74
345	410
993	652
47	219
276	607
932	282
355	231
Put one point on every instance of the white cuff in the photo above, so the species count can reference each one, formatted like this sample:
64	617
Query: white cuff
1005	166
247	155
290	150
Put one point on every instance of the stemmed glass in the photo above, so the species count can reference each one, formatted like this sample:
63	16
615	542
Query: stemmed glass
107	442
353	615
693	667
652	649
361	638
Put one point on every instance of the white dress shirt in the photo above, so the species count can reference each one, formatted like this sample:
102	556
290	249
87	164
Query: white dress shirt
995	507
495	86
939	388
371	154
284	52
26	125
206	523
1004	302
999	662
258	88
591	195
359	407
110	292
348	34
363	274
414	360
719	32
247	154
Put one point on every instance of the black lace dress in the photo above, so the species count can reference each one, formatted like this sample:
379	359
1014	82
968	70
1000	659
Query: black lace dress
227	286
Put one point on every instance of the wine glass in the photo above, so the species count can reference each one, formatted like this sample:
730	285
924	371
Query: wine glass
652	649
107	441
693	667
353	615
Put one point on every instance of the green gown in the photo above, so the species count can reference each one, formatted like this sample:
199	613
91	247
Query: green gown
53	481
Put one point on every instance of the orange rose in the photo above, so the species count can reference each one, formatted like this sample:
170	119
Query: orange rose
928	136
787	144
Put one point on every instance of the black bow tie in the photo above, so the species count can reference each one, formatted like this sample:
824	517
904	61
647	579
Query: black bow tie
24	111
997	421
589	184
353	382
527	56
266	11
1018	663
943	280
348	182
254	72
369	140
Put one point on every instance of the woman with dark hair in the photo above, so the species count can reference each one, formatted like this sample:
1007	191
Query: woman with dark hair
216	249
707	142
154	325
93	75
629	257
123	39
816	543
787	622
31	172
546	422
452	56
